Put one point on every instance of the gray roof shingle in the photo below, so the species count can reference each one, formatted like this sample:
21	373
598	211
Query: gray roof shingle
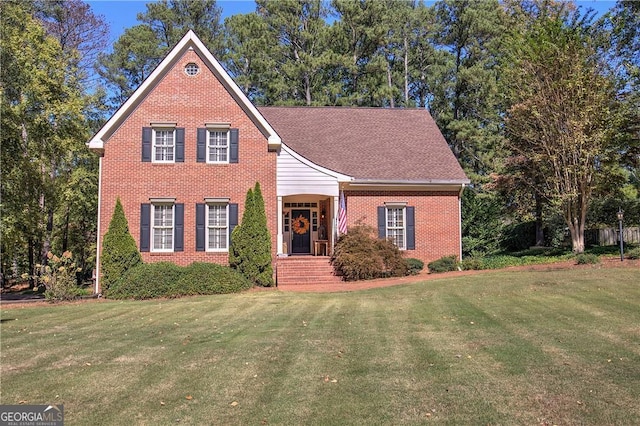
377	144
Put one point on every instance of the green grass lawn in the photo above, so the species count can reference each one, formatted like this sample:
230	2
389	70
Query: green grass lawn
550	347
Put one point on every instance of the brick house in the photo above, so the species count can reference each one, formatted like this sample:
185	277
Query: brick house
184	149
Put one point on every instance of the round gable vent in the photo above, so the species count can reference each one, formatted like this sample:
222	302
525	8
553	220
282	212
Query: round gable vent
191	69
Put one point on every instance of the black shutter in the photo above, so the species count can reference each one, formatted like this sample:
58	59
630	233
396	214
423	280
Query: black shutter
411	228
382	222
180	145
233	145
200	227
145	227
178	228
233	218
201	146
147	135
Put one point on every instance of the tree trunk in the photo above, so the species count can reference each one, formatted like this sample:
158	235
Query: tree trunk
539	225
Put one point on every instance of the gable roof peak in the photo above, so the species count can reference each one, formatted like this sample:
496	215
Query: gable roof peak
190	41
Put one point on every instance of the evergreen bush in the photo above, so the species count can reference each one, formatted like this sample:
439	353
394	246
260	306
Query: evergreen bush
444	264
587	258
250	250
119	250
165	279
414	266
359	255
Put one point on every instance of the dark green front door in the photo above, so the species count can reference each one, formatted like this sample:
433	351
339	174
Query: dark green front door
300	231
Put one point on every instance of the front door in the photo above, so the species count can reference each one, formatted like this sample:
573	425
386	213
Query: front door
301	231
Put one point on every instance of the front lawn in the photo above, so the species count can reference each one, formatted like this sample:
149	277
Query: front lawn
544	347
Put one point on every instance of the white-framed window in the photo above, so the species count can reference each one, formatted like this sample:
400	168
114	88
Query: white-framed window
217	145
396	226
191	69
162	227
217	227
164	145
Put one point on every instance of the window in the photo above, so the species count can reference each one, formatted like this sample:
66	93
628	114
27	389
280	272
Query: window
163	145
396	226
191	69
215	220
217	146
162	227
217	226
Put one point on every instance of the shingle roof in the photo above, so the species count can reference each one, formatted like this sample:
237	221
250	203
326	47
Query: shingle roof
376	144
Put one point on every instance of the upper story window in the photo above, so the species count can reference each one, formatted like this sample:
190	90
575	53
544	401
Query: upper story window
164	145
217	146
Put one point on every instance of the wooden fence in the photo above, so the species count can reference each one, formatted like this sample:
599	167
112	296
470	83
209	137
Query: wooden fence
611	236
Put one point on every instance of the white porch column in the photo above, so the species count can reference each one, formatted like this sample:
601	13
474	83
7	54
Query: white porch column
279	243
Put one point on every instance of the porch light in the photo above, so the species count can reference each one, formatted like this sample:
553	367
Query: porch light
620	215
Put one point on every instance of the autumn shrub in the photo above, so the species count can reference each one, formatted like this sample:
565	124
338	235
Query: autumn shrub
58	277
444	264
164	279
414	266
359	255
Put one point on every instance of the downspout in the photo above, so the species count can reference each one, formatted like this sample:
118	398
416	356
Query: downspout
96	289
460	219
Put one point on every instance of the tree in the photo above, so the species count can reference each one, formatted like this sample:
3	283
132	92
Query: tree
44	131
82	34
562	115
119	250
141	48
250	251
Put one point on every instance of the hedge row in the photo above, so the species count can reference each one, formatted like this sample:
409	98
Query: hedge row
164	279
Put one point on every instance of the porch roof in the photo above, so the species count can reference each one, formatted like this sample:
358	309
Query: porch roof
369	144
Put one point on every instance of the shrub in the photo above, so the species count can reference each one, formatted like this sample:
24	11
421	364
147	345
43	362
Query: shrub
472	264
634	253
359	255
210	278
58	277
414	266
587	258
444	264
164	279
250	251
119	250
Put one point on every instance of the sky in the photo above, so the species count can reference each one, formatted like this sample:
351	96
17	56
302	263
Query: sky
121	14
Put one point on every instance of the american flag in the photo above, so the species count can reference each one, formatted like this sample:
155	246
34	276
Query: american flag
342	215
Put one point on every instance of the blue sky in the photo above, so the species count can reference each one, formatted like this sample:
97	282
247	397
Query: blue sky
121	14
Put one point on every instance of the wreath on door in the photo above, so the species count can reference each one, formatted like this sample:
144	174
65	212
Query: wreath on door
300	225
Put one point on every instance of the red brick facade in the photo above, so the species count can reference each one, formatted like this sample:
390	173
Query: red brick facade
190	102
437	218
172	97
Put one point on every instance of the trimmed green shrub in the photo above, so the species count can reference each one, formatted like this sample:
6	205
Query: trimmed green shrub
472	264
164	279
414	266
444	264
211	278
359	255
119	250
634	253
250	251
587	258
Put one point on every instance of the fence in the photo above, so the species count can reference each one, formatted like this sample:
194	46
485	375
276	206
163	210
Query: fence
610	236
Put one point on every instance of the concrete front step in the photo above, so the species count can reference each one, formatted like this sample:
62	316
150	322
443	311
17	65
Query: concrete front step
305	270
